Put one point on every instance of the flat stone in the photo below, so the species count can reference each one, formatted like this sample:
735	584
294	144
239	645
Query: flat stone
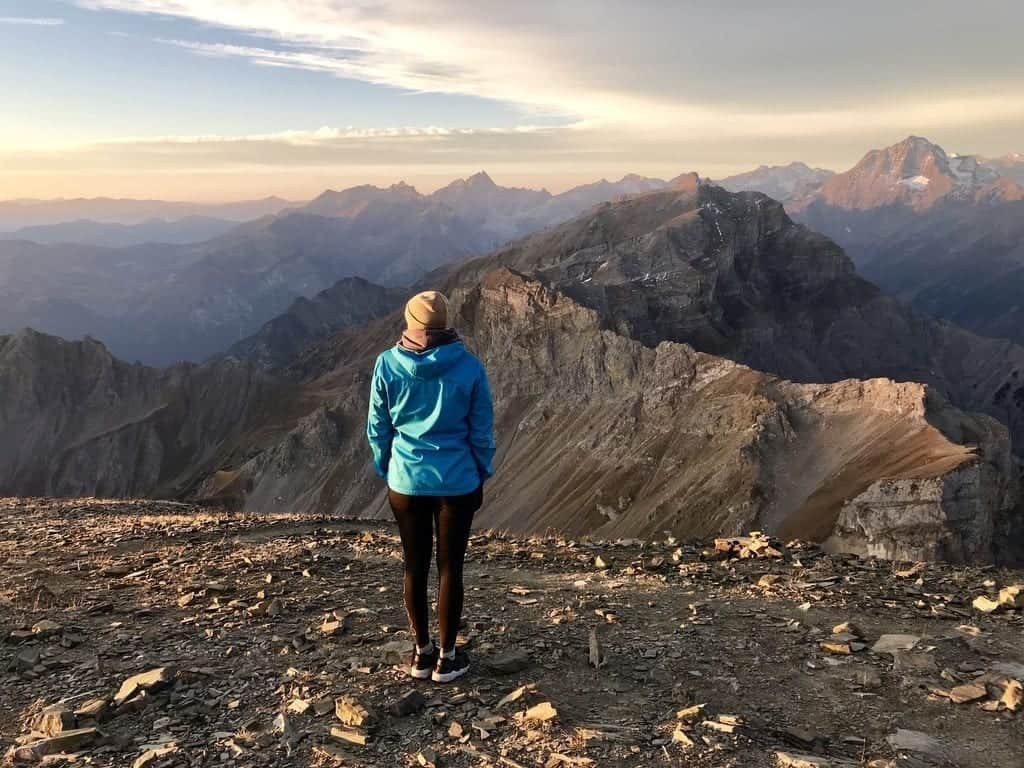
509	663
408	703
153	754
964	694
396	651
351	735
541	712
691	714
893	643
46	628
792	760
986	604
905	740
681	737
848	628
150	682
68	741
869	679
94	709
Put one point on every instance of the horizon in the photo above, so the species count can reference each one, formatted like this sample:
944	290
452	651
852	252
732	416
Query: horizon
211	102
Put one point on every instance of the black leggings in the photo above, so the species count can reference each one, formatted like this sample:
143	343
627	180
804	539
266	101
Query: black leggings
417	518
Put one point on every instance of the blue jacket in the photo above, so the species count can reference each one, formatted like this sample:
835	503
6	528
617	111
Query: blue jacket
431	421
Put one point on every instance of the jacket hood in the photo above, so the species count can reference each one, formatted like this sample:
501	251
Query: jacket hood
430	364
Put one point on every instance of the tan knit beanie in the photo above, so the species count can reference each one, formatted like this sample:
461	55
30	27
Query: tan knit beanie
426	310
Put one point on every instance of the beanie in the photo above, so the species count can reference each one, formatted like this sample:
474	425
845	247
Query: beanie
426	310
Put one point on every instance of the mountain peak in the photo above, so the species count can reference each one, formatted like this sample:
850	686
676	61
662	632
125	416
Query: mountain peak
480	179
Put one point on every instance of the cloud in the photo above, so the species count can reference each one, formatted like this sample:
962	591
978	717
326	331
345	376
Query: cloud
32	21
700	68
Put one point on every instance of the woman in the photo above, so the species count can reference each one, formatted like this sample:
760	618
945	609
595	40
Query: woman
430	429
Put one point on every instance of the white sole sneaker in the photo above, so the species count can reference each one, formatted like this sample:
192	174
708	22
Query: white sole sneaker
452	673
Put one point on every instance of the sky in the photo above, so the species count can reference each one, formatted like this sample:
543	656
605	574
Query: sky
232	99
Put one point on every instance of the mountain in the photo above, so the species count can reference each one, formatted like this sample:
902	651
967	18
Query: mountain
915	174
611	422
639	357
350	302
1010	166
781	182
942	231
191	229
76	421
160	303
16	214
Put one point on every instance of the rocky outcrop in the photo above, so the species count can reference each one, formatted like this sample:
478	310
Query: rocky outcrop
733	275
74	420
602	435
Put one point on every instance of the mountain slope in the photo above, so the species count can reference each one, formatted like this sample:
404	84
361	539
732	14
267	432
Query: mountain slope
74	420
350	302
601	435
733	276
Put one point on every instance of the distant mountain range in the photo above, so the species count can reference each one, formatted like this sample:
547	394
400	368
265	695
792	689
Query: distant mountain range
938	229
780	182
635	353
17	214
191	229
161	302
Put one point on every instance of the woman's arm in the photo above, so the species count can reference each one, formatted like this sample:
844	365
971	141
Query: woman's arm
481	426
379	429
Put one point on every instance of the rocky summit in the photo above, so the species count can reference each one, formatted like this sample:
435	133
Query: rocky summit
146	633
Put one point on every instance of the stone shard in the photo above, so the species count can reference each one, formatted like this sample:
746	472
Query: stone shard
894	643
509	663
149	682
351	712
541	712
906	740
67	741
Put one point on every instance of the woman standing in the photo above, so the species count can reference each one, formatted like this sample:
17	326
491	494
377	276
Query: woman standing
430	428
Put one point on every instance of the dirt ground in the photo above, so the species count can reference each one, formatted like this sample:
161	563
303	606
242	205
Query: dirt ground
263	623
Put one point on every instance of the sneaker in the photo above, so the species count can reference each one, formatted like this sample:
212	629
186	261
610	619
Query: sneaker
451	667
422	664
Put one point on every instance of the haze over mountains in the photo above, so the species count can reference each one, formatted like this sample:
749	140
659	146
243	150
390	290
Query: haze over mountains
191	229
160	302
634	353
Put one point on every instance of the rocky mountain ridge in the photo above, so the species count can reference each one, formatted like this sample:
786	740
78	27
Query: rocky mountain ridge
601	435
76	421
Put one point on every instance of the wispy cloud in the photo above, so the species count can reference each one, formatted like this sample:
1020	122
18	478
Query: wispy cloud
693	68
32	21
